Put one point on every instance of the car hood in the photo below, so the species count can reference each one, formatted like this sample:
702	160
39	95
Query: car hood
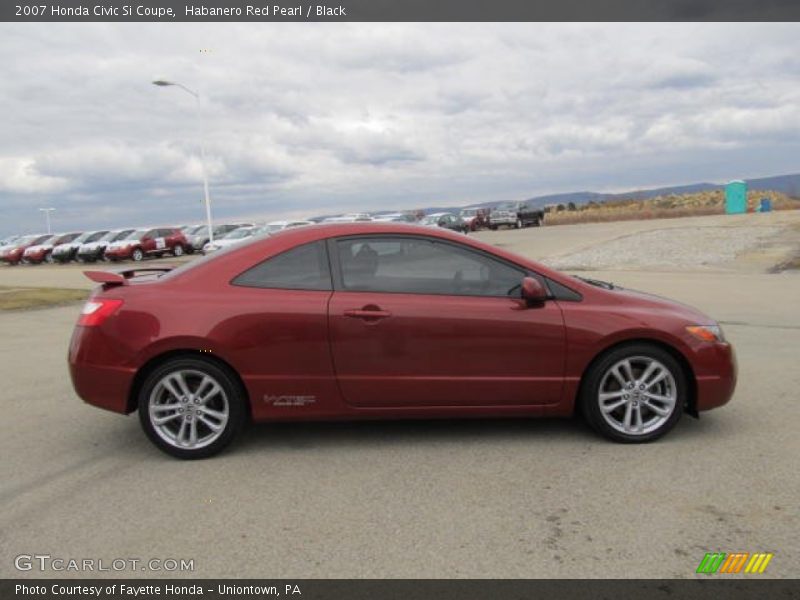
66	246
38	248
659	303
92	245
121	244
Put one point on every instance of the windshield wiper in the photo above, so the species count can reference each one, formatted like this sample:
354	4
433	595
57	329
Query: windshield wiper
596	282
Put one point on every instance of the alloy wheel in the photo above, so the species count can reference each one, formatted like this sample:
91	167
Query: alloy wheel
637	395
188	409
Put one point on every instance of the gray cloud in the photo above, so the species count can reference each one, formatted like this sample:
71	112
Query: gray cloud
309	118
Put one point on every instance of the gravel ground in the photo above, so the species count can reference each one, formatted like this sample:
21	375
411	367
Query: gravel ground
664	248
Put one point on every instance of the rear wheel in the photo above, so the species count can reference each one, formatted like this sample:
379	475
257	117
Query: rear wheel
191	408
634	393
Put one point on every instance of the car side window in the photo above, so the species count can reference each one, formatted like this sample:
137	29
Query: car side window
302	268
420	266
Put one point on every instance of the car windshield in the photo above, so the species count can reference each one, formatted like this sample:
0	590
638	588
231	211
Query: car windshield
43	239
273	227
469	212
506	206
136	235
196	229
113	236
84	237
92	237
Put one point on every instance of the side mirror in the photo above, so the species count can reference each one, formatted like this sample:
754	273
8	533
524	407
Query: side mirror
533	290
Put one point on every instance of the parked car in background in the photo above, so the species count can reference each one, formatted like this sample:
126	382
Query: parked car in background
68	251
516	215
366	320
276	226
199	236
148	242
445	220
236	236
475	218
349	218
12	254
94	251
43	251
394	218
8	241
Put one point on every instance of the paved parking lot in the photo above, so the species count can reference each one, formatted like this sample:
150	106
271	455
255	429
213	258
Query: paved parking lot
502	498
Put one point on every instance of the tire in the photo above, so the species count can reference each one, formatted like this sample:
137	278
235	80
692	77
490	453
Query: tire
493	227
658	405
173	436
48	258
518	224
177	250
137	255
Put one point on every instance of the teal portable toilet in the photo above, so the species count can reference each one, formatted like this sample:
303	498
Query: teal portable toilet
736	197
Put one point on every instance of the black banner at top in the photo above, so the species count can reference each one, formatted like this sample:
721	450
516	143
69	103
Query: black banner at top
397	10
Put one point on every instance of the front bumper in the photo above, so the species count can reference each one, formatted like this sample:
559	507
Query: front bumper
35	257
12	258
716	375
119	253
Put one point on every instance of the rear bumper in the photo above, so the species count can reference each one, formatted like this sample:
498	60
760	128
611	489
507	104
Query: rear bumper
102	385
716	381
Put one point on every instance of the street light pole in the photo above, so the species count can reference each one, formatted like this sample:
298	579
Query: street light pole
164	83
47	212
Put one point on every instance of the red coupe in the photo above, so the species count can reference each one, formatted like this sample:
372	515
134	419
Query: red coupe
383	320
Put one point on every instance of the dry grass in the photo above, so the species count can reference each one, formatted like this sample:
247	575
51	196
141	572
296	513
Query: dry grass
12	298
664	207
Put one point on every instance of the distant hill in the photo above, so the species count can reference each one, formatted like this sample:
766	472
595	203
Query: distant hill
786	184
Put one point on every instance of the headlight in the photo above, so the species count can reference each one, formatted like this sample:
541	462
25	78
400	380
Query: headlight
707	333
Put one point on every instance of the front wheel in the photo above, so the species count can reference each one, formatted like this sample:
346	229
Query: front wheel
633	394
177	250
191	408
137	254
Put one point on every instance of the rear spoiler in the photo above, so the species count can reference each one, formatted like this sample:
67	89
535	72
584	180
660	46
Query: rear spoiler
113	278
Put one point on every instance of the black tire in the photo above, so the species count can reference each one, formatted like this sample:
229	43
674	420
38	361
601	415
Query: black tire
518	224
177	250
137	255
590	390
236	404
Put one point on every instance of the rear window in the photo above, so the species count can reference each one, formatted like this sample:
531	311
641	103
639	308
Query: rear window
302	268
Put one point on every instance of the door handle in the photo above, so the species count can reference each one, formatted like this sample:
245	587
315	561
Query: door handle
367	314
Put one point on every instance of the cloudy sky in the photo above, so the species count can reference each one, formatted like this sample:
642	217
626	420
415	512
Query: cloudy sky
315	118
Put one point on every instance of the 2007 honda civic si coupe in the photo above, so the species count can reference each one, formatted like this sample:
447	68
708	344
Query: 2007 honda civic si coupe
368	320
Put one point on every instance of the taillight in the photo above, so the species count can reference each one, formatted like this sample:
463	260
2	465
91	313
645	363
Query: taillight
95	311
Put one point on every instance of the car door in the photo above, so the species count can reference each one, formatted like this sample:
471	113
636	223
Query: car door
421	322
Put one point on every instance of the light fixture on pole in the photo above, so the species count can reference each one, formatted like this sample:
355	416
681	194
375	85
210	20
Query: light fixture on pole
47	212
165	83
